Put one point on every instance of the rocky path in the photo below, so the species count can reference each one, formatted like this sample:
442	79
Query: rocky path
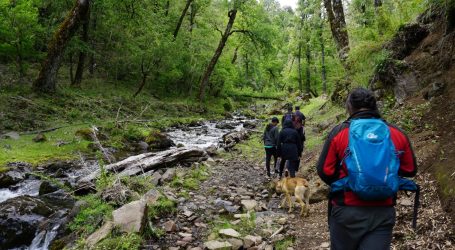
237	183
238	196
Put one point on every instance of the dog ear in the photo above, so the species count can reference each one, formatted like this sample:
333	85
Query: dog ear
286	173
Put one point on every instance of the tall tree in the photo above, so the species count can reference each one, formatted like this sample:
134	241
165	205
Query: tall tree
335	14
450	15
299	63
182	16
47	79
321	43
211	66
82	53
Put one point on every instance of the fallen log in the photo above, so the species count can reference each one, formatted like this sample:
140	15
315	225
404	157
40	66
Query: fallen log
140	164
232	138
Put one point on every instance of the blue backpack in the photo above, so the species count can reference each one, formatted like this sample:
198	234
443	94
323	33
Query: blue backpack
372	163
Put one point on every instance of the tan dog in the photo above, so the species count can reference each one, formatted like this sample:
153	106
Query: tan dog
299	187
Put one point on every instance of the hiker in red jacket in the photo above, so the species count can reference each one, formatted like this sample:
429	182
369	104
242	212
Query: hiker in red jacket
355	223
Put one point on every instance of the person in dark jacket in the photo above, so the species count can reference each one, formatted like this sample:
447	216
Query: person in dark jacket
299	123
355	223
270	139
289	115
289	148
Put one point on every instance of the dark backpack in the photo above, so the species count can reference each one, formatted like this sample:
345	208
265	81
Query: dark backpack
289	117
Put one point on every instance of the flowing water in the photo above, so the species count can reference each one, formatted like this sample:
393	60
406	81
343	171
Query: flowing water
204	135
207	134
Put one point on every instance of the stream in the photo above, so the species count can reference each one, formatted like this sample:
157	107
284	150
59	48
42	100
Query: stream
201	135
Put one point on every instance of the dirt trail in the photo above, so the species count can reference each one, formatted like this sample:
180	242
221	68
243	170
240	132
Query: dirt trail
238	178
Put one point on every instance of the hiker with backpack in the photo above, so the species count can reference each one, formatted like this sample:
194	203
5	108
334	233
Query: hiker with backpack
270	139
288	116
299	123
363	161
289	148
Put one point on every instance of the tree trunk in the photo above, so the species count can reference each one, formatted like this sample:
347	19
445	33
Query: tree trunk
182	16
323	69
450	16
20	59
47	79
71	68
335	14
145	71
167	8
143	163
234	58
208	72
321	41
92	64
308	70
193	12
377	6
299	56
247	67
82	54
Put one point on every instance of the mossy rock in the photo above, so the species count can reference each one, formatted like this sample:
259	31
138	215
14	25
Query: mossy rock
157	140
249	113
40	138
85	133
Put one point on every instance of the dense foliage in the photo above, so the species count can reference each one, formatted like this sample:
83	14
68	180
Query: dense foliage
164	46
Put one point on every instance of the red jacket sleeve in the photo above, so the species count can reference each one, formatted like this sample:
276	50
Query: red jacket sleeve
329	161
408	164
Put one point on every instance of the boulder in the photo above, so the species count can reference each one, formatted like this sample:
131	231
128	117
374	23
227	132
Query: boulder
47	187
40	138
224	125
229	232
20	218
249	125
11	135
59	198
319	193
211	151
406	40
85	133
236	243
151	197
131	218
232	138
249	205
142	146
249	241
117	194
217	245
158	141
156	178
168	175
99	234
170	226
11	177
436	89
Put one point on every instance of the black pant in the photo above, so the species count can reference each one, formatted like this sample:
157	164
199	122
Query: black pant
361	228
269	152
292	167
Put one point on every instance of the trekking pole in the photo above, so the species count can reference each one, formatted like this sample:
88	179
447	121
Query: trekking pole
416	207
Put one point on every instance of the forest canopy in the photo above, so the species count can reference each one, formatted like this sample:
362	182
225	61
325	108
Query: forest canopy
198	48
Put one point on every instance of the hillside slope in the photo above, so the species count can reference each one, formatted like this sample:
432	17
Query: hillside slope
417	89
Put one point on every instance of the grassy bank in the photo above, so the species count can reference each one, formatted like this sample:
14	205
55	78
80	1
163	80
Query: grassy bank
108	106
